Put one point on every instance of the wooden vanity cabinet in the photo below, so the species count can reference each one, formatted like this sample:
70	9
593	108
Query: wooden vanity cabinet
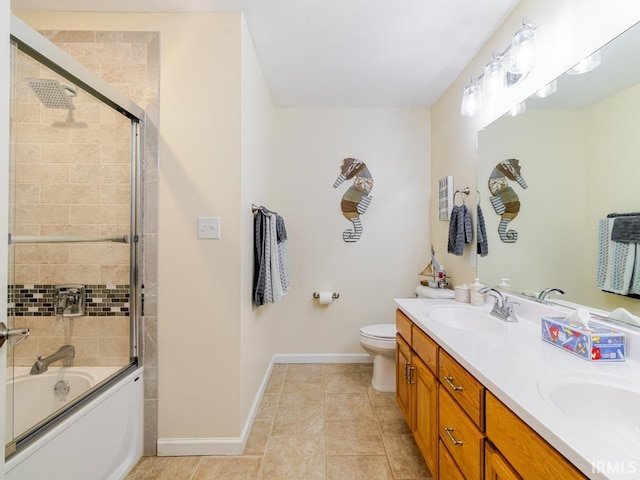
417	387
526	452
444	404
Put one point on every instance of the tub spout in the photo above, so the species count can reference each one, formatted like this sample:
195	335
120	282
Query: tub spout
65	352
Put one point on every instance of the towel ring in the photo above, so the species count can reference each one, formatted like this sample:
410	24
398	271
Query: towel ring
463	192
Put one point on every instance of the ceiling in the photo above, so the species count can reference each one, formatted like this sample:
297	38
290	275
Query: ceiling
343	53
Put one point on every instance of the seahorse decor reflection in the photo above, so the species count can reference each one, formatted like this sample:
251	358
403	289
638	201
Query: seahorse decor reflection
504	199
356	199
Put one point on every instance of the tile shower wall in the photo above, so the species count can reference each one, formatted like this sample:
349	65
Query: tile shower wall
129	61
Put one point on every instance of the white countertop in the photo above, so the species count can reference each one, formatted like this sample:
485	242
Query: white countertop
512	361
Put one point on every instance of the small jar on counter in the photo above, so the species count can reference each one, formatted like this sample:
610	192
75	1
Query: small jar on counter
462	293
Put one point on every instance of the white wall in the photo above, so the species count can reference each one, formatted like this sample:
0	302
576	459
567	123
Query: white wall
310	145
568	31
257	131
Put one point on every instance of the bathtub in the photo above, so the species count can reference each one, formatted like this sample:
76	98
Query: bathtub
100	440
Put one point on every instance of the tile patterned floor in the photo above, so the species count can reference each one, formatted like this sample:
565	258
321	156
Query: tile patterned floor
315	422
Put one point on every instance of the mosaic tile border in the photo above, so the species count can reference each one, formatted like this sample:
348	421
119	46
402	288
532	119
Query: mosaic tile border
37	300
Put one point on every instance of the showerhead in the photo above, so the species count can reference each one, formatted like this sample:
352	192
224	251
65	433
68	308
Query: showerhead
51	93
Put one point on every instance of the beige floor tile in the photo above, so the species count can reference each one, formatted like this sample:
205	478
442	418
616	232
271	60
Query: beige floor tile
347	405
268	406
359	436
165	468
404	457
228	468
341	368
349	382
299	420
258	437
294	458
358	468
279	368
304	373
274	385
381	398
390	420
296	394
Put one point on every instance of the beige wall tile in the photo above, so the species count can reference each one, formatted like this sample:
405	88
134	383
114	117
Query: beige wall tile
71	194
101	133
41	133
27	152
42	214
100	253
96	174
114	274
99	214
42	254
68	153
28	193
41	173
114	347
59	274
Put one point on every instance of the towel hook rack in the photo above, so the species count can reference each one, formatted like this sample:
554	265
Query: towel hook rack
462	192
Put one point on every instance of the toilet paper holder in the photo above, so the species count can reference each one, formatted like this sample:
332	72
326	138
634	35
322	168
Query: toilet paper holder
334	295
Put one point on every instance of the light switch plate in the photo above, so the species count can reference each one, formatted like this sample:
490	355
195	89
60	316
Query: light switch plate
208	227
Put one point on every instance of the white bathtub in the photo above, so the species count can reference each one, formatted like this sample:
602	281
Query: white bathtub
31	398
101	440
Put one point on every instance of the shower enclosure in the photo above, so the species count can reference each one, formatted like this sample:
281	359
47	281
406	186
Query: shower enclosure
73	238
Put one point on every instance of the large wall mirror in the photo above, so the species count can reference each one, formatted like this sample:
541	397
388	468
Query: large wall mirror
579	153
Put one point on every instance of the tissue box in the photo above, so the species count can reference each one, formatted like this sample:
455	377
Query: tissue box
595	343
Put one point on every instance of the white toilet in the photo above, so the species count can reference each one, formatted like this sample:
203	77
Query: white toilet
379	341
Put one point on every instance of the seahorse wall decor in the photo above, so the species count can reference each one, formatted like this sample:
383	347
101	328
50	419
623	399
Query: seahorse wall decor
356	199
505	201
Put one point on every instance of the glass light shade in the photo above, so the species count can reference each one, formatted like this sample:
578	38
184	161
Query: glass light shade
471	101
518	109
522	55
586	65
546	91
494	78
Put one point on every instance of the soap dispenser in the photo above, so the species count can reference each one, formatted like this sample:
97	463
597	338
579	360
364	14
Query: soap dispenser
475	297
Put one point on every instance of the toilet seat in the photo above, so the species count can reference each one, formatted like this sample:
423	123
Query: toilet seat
383	331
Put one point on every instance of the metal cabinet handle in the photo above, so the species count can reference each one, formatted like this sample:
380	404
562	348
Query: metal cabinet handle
455	387
410	379
406	371
6	333
449	432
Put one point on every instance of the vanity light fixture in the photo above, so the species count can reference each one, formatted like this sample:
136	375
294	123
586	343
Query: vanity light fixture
586	65
505	70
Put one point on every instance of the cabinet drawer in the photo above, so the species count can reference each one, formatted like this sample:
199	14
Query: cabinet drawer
467	391
461	437
403	325
448	468
425	348
519	443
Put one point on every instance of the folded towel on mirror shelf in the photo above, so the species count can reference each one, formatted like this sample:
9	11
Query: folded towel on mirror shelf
626	229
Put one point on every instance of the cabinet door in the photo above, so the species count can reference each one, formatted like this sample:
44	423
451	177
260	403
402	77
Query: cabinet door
496	467
426	416
448	468
404	390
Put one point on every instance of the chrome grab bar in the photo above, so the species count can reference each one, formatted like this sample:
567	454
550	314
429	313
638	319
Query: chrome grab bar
55	239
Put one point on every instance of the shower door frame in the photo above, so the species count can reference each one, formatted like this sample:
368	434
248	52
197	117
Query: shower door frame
42	50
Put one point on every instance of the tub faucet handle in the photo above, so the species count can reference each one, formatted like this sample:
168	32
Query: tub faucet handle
8	333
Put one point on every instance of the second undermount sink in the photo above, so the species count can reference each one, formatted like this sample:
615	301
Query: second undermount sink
605	405
465	318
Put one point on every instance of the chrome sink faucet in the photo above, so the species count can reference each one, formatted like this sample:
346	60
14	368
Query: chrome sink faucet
65	352
543	294
502	307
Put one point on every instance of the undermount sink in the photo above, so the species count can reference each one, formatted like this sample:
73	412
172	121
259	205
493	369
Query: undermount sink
464	318
605	405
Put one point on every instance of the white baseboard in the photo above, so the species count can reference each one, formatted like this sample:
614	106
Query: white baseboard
177	447
322	358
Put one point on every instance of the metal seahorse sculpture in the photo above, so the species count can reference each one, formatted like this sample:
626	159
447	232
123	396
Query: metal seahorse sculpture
505	201
356	199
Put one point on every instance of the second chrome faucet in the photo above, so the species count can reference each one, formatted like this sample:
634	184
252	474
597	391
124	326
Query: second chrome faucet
502	306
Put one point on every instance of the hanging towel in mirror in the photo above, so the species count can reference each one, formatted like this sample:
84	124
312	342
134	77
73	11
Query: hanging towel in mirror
618	268
481	234
626	229
460	230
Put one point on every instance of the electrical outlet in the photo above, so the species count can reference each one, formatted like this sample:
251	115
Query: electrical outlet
208	227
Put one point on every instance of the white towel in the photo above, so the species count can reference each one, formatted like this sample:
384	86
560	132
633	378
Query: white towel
616	262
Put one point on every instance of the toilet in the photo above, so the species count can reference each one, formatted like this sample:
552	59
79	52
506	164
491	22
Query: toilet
379	341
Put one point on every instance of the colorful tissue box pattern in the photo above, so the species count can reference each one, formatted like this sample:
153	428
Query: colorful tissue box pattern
596	344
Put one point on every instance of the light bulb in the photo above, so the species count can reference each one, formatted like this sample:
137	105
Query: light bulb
494	78
517	109
522	55
546	91
471	100
586	65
